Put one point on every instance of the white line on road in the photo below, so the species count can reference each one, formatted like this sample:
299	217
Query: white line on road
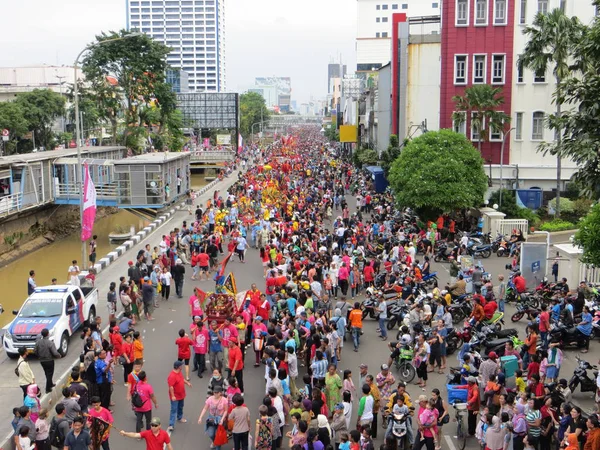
448	439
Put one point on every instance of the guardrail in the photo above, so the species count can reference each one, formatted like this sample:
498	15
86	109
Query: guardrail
505	226
10	204
210	156
71	191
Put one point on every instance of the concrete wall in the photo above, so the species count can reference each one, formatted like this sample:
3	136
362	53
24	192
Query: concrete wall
383	112
423	92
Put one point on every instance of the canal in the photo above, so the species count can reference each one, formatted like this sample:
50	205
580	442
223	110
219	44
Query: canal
53	260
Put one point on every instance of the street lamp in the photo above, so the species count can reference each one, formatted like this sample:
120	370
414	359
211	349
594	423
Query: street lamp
502	165
78	131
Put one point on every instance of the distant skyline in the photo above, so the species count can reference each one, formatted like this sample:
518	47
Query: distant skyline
264	37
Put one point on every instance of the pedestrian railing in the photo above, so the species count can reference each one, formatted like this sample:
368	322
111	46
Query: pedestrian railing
506	226
10	204
211	156
589	274
70	191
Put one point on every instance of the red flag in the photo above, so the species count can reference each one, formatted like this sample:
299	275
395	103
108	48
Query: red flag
223	265
201	295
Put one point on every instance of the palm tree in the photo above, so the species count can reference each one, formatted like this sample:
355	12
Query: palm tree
552	38
482	103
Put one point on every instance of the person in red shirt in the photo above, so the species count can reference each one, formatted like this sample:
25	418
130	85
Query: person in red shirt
156	438
177	385
473	403
236	363
263	307
519	283
369	274
203	264
490	309
544	325
184	352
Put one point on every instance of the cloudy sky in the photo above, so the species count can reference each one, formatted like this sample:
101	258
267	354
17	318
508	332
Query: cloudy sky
264	37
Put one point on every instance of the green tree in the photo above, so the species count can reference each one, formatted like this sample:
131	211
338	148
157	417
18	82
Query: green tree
588	236
13	120
41	107
439	171
139	65
91	115
482	103
252	110
365	157
390	154
551	40
332	134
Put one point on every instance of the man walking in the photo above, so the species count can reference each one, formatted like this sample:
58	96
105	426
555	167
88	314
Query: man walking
146	397
78	438
200	338
178	272
148	298
26	376
46	352
355	319
156	438
103	414
236	363
177	385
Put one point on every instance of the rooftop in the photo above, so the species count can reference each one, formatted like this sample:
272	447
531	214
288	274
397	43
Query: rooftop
153	158
53	154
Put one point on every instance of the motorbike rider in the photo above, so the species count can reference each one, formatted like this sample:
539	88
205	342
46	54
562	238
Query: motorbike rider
519	282
583	292
490	307
477	315
459	288
392	402
395	347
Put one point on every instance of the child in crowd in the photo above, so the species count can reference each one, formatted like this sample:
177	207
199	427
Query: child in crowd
428	418
519	381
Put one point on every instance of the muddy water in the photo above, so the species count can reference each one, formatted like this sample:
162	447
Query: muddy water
53	260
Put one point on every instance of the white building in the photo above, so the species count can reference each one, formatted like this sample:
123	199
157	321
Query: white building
194	29
374	28
15	80
532	101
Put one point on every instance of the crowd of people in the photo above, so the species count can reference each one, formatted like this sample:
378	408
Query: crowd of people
315	221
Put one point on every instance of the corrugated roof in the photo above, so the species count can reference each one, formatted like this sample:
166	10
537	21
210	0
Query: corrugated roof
53	154
153	158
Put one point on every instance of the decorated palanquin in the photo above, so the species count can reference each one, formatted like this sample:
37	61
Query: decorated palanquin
219	306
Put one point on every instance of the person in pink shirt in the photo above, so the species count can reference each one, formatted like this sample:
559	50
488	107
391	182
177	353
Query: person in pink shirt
195	306
230	333
146	393
101	413
343	275
199	335
259	331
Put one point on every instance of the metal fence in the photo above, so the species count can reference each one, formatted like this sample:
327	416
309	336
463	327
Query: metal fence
10	204
588	273
506	226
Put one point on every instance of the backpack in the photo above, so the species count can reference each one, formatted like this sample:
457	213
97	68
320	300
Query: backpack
55	435
17	369
136	398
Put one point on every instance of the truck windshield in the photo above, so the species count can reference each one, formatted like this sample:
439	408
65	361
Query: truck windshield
47	307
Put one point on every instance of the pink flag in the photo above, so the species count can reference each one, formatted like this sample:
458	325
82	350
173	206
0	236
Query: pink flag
240	143
89	205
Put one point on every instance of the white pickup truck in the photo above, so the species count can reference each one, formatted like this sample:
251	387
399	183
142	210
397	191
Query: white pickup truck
62	309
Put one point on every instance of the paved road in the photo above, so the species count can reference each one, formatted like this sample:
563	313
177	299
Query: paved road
159	337
11	393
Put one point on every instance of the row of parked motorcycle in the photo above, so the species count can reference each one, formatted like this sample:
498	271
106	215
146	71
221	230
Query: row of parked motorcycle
479	246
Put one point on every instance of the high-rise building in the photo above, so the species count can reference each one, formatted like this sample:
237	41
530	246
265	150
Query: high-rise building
374	28
194	29
334	70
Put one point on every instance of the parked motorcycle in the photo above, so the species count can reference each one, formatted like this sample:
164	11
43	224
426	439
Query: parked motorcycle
442	254
567	336
430	279
461	309
404	364
581	378
522	310
480	251
486	344
396	315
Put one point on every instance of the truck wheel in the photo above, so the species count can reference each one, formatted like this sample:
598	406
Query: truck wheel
64	344
92	315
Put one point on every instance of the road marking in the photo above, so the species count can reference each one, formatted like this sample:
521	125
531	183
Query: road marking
448	440
171	322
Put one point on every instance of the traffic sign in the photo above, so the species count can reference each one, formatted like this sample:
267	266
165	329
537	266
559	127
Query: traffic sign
535	266
5	132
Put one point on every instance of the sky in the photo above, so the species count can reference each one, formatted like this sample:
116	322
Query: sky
285	38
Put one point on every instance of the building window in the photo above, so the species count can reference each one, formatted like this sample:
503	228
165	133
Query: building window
478	69
460	69
543	6
520	78
563	5
475	134
384	19
462	12
384	7
500	12
378	34
404	5
498	69
519	126
537	126
523	12
377	19
495	135
540	76
481	12
435	5
459	124
395	6
378	7
384	34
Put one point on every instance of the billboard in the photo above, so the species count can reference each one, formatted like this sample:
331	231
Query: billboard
223	139
534	262
348	133
209	110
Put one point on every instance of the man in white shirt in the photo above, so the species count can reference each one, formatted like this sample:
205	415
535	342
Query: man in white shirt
411	251
74	273
464	240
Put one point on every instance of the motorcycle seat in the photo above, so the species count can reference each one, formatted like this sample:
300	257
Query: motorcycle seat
496	342
508	332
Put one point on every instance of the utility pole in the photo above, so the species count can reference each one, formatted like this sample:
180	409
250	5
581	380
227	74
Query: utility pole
62	118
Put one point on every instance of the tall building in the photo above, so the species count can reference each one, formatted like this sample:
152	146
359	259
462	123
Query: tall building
374	28
283	87
334	70
194	29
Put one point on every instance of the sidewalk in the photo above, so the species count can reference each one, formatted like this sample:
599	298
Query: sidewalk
111	267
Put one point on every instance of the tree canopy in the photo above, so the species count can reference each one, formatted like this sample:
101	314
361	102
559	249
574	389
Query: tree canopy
40	108
439	171
588	236
252	110
12	119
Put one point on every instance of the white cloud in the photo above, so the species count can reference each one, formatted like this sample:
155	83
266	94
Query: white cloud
264	37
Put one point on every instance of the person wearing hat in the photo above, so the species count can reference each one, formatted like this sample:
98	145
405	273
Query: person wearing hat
473	402
489	367
176	384
178	272
155	438
385	382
